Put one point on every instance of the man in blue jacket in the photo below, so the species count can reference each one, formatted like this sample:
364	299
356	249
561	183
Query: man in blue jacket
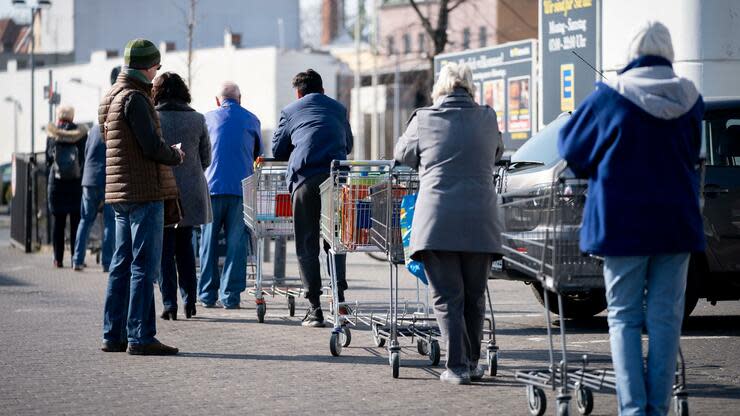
235	142
93	195
637	139
312	132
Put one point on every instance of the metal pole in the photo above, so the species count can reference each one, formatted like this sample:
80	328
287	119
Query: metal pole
33	68
377	149
359	134
32	217
396	100
15	126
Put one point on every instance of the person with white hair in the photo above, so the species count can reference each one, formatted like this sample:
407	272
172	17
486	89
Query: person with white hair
637	138
455	144
65	149
236	141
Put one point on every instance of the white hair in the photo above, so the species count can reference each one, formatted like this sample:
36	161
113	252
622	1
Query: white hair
229	89
653	38
453	76
66	112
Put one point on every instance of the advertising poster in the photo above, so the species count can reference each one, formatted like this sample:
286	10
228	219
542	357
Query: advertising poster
519	114
569	43
504	76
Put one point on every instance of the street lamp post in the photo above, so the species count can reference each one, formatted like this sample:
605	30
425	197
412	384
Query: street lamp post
31	198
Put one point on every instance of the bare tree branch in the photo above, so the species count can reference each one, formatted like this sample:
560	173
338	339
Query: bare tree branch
424	20
454	6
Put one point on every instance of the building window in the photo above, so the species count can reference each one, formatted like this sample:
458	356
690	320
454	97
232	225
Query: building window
406	43
391	45
422	43
482	37
466	38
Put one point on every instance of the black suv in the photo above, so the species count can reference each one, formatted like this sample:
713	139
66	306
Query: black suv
714	274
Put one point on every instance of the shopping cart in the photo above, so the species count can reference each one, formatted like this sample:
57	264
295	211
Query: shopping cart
542	238
268	213
346	214
385	232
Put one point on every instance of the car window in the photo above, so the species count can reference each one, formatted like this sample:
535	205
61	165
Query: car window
721	138
543	146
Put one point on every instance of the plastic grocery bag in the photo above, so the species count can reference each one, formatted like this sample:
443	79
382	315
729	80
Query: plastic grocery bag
407	216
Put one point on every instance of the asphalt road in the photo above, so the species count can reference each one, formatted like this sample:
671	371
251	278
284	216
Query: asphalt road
230	364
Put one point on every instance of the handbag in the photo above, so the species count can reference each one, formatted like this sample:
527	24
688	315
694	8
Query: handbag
172	212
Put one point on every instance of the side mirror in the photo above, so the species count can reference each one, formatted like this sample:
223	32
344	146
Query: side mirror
504	162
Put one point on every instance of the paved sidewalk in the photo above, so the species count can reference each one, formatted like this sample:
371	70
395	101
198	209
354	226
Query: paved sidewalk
50	362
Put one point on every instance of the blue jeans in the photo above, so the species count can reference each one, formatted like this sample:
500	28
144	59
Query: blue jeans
645	292
227	214
92	197
129	300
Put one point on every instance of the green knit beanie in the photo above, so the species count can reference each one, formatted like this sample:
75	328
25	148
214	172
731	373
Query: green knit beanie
141	54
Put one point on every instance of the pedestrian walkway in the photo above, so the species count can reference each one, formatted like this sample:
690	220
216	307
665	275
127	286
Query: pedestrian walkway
50	362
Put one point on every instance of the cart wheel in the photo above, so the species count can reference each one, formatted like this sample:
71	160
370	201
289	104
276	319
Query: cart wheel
395	363
492	359
335	344
681	406
421	347
261	309
584	400
536	401
291	305
346	337
434	352
563	408
377	339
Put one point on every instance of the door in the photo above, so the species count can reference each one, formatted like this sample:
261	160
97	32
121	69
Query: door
721	137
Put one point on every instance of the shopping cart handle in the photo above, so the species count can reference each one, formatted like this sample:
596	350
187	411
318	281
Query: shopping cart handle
346	163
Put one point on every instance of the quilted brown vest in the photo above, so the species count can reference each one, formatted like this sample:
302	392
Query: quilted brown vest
129	176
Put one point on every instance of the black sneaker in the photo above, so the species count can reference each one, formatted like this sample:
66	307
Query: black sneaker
314	318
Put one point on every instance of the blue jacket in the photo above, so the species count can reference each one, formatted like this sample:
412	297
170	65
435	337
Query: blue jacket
94	172
236	140
312	132
637	139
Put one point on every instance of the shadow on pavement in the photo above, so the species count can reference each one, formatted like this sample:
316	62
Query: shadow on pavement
712	325
712	390
9	281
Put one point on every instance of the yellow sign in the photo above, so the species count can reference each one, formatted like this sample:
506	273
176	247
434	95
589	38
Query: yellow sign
567	87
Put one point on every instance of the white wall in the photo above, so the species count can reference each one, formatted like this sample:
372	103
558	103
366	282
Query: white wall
263	75
84	26
706	38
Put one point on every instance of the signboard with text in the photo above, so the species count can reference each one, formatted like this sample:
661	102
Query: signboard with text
504	78
569	43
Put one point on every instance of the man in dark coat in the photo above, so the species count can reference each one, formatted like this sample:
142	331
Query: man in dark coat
312	132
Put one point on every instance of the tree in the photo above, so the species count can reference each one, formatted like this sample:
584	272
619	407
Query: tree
190	22
437	32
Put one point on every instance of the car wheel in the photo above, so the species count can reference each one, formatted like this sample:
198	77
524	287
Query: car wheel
581	305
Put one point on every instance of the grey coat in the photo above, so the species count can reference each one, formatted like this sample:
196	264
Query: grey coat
454	145
182	124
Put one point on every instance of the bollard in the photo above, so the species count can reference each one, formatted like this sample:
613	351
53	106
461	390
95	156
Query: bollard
279	266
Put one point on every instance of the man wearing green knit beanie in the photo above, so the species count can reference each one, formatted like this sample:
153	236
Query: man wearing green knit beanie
137	182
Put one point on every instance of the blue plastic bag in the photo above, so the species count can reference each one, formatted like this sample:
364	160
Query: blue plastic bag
407	216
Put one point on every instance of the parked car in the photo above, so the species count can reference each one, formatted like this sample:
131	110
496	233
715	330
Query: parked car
5	191
713	275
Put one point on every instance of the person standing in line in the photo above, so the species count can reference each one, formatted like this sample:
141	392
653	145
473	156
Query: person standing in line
313	131
183	126
137	182
236	140
65	149
93	197
455	144
637	138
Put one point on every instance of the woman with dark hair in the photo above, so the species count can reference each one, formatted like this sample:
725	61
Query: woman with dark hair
184	126
65	150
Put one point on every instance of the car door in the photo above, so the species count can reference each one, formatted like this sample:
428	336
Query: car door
721	136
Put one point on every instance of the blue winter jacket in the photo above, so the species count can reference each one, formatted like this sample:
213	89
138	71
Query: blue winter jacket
637	139
94	172
312	132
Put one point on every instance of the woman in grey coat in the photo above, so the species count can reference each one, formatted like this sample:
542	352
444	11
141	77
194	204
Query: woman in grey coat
454	144
183	125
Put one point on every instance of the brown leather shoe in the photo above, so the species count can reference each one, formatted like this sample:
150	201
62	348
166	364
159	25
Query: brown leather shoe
110	346
155	348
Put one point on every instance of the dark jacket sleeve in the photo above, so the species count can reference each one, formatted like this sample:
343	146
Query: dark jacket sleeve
258	141
204	147
140	120
282	146
348	132
49	152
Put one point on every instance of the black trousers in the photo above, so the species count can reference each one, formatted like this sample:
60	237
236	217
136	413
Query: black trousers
60	221
458	282
178	265
306	221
